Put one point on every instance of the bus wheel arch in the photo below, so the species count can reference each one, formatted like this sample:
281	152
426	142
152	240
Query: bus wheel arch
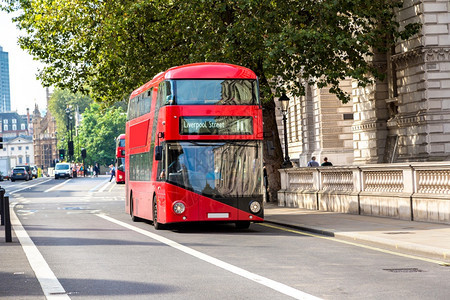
133	217
156	224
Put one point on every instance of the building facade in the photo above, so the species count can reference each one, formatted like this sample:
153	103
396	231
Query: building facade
405	118
44	138
19	150
13	124
397	139
5	94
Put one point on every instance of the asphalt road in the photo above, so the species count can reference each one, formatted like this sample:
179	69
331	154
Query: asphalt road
94	251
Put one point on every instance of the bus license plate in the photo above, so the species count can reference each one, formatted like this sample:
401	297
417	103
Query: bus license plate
218	215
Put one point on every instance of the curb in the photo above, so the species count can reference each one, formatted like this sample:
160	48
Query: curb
405	247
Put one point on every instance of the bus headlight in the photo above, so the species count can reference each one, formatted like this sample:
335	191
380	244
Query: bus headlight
178	208
255	207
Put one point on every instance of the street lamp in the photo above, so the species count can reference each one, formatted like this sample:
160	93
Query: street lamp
284	100
69	131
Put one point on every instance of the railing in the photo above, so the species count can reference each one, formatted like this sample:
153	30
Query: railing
416	191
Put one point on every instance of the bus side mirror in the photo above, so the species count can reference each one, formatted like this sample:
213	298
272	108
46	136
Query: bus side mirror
158	152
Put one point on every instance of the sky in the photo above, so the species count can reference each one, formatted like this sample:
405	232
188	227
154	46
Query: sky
25	89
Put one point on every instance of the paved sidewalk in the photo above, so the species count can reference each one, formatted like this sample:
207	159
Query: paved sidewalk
17	279
429	240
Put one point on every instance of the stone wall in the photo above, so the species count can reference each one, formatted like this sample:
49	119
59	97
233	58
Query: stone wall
422	67
418	191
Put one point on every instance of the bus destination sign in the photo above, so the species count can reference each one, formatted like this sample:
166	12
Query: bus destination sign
206	125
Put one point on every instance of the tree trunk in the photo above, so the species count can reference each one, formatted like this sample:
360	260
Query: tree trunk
273	156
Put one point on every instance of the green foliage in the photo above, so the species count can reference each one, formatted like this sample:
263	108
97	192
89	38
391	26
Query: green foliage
98	132
59	102
112	47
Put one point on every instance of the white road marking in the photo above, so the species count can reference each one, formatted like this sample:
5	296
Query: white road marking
97	186
28	186
113	186
51	286
104	187
57	186
277	286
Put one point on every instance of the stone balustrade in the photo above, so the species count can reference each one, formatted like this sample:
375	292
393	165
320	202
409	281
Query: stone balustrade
416	191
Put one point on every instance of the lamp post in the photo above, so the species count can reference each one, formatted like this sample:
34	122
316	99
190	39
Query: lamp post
284	100
69	132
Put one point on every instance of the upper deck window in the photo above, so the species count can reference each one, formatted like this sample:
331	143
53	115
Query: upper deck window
215	92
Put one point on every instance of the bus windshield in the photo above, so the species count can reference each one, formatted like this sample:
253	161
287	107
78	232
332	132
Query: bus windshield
215	92
121	164
214	169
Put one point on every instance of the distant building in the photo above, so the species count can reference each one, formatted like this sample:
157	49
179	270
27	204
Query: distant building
5	96
44	138
19	150
13	124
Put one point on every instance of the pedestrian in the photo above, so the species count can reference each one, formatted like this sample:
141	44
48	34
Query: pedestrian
112	170
96	170
326	163
313	162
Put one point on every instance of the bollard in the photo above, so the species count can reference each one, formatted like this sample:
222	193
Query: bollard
8	236
2	195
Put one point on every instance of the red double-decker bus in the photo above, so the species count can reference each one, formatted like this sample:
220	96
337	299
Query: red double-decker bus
120	159
194	147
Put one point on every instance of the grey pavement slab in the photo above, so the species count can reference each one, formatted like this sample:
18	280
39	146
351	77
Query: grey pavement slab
420	238
17	279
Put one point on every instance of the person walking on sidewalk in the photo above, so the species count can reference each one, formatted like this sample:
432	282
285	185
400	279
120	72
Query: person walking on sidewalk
112	170
313	162
96	170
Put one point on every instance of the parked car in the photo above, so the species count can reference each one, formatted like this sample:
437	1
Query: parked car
19	173
34	171
63	170
28	168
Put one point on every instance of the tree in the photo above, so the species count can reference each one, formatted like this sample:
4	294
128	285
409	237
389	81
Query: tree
110	47
98	132
59	102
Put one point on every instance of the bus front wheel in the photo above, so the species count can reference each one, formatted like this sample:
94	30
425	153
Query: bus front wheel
242	224
156	224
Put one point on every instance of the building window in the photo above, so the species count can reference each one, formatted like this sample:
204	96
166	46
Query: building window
20	160
20	148
14	121
26	147
348	116
12	148
22	126
5	127
14	127
5	121
28	160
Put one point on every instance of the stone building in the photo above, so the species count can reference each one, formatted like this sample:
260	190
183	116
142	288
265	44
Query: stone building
18	151
402	119
44	138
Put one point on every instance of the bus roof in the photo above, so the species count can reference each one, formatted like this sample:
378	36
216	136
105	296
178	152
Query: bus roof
121	136
212	70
